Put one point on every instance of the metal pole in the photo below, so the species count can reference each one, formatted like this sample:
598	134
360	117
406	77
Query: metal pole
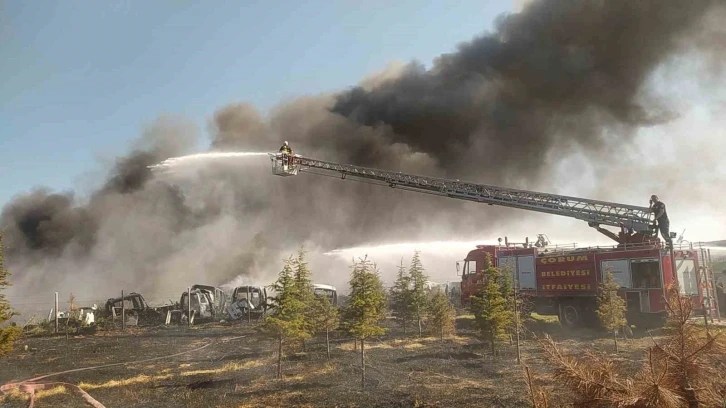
123	311
55	310
249	304
189	306
516	317
703	283
714	292
674	275
705	321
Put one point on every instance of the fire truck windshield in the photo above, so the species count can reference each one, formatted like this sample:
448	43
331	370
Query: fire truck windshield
469	268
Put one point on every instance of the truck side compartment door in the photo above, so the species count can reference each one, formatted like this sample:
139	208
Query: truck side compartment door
525	272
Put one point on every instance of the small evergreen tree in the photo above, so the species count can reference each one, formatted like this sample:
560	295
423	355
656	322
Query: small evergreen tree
442	315
286	321
492	314
304	292
367	306
401	301
325	318
611	307
8	334
514	302
419	296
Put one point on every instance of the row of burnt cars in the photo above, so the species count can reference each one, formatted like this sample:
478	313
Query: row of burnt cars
208	303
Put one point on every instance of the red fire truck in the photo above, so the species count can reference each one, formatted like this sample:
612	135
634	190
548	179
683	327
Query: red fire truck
563	281
560	281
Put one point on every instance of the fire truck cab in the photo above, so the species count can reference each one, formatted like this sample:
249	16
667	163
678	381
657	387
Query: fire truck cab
563	282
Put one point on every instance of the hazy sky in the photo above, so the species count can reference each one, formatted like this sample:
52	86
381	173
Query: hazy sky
79	79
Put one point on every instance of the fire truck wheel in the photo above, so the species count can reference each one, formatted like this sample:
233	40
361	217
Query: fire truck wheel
570	315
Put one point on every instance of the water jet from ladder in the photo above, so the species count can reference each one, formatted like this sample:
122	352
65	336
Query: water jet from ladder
199	158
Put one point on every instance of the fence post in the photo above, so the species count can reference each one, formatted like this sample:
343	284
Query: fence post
123	311
189	306
714	288
55	310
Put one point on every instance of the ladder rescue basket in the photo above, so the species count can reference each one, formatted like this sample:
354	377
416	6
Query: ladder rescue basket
284	165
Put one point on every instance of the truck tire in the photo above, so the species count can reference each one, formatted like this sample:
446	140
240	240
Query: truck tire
570	315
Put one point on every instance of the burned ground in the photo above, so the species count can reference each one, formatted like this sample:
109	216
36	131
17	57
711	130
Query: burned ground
234	366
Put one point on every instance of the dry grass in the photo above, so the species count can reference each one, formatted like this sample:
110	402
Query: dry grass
413	346
51	392
228	367
138	379
13	398
402	371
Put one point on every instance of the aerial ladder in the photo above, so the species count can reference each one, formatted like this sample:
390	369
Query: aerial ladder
635	222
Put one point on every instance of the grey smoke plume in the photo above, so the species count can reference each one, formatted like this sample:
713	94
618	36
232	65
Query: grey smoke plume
558	78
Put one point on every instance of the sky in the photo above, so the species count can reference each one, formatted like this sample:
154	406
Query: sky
80	79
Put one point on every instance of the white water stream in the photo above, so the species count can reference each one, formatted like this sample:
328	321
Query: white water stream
197	158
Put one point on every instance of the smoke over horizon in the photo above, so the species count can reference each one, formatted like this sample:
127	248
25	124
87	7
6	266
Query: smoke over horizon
559	79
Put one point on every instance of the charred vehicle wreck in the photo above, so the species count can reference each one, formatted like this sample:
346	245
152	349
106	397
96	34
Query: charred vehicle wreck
246	300
135	307
208	303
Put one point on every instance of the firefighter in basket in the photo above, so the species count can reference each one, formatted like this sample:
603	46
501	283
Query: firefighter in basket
286	153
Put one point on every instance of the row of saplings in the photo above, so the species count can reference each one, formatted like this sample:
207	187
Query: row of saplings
298	314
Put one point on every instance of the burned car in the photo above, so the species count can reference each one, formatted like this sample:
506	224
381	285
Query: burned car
252	299
217	296
208	303
136	309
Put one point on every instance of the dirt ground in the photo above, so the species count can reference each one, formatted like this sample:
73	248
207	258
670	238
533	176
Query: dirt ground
233	365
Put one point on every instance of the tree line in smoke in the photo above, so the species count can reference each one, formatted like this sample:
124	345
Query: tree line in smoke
10	333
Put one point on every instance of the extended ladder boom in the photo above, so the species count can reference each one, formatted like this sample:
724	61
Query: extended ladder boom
592	211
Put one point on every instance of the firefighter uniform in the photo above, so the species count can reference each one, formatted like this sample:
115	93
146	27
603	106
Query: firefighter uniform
286	152
663	221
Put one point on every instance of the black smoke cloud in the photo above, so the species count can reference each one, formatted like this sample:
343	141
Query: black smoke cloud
47	223
560	77
562	73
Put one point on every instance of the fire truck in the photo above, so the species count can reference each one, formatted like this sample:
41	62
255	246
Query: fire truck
561	281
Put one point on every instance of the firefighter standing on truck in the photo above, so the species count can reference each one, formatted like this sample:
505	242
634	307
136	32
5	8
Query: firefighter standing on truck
286	152
661	217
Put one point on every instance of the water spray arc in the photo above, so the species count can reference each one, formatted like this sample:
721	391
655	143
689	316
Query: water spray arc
174	162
